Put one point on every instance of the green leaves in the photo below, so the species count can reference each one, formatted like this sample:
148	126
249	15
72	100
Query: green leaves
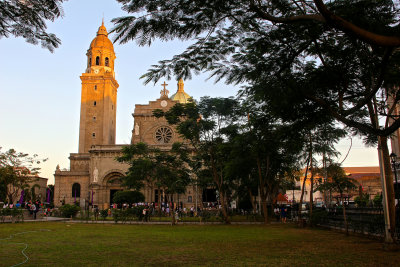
16	170
27	19
337	181
155	168
129	197
306	60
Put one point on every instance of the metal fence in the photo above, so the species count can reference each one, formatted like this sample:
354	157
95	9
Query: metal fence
368	221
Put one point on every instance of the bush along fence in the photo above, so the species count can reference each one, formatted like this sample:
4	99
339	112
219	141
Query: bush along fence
367	221
12	214
146	214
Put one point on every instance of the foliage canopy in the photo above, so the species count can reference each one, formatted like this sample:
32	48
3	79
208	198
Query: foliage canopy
27	19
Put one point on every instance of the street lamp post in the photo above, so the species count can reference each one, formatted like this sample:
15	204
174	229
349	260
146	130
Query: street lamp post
393	158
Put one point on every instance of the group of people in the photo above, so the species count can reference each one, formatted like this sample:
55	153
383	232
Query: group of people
32	206
166	208
151	209
11	205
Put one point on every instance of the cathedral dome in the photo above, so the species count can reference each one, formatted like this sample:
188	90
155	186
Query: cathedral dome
181	96
101	40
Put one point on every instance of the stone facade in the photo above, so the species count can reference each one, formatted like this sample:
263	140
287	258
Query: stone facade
93	174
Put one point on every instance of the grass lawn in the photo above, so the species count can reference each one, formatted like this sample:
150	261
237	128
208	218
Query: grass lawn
68	244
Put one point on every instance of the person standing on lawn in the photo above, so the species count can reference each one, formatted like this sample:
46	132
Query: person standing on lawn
283	214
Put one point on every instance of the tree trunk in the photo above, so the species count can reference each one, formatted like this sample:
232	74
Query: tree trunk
224	207
325	178
159	202
311	178
302	194
253	201
265	209
344	214
151	193
263	195
218	179
311	192
389	186
172	209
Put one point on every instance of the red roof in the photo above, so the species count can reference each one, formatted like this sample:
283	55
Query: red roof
281	198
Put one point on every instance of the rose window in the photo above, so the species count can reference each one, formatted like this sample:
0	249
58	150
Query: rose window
163	135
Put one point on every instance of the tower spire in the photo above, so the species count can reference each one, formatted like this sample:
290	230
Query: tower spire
102	29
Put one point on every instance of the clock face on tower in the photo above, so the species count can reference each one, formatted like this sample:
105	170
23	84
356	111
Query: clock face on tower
96	71
164	103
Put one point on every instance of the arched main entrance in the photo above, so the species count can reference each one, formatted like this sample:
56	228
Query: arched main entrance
111	184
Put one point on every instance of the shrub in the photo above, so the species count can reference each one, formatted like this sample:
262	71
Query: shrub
318	217
68	211
137	211
120	215
103	214
362	201
15	214
129	197
205	215
378	200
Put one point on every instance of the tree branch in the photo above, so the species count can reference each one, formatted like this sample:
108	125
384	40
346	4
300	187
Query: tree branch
350	28
292	19
376	87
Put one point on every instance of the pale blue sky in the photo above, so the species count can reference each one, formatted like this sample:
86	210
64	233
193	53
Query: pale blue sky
40	91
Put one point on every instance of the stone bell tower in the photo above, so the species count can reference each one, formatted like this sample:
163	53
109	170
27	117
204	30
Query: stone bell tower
99	94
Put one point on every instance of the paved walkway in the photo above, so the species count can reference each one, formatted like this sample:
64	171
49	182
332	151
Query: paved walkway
48	219
156	222
42	219
58	219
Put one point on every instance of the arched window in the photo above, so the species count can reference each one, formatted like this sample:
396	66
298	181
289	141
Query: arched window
106	61
95	87
94	103
90	62
97	61
76	190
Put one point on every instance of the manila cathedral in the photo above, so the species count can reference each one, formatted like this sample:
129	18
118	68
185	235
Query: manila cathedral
91	178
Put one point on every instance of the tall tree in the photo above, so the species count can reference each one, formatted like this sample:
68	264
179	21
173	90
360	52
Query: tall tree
301	57
321	141
271	150
27	19
207	126
338	182
142	166
167	170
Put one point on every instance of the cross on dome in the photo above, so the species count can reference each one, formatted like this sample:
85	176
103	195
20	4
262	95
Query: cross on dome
164	92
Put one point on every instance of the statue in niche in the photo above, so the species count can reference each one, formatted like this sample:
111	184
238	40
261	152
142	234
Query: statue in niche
95	175
136	129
